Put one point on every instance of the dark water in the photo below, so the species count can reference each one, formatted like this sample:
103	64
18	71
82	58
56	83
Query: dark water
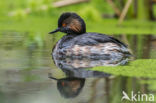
29	75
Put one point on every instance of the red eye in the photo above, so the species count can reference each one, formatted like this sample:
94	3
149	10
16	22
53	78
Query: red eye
63	24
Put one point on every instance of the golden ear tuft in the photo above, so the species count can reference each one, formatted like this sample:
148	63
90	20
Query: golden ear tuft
75	25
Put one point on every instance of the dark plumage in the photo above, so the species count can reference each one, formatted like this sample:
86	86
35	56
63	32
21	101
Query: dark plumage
89	39
78	43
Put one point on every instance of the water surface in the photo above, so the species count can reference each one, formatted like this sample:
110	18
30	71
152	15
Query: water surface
25	68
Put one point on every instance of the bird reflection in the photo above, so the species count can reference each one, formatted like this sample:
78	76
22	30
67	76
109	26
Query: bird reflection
76	72
69	87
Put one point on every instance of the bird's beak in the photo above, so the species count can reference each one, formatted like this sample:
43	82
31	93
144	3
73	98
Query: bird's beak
53	78
56	30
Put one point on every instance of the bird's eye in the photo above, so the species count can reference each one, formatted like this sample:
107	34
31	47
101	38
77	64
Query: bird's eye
63	24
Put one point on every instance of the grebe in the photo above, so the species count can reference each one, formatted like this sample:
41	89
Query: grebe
79	44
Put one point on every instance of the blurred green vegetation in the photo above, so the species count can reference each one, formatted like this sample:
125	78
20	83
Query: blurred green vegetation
37	18
40	16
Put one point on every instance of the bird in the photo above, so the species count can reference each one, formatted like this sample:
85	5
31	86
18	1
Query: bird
77	43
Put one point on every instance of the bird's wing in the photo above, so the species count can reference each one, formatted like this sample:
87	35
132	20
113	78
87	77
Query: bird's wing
95	38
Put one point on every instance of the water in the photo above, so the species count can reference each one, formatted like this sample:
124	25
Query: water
28	75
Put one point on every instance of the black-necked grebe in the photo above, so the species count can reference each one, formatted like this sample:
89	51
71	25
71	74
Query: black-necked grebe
78	43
